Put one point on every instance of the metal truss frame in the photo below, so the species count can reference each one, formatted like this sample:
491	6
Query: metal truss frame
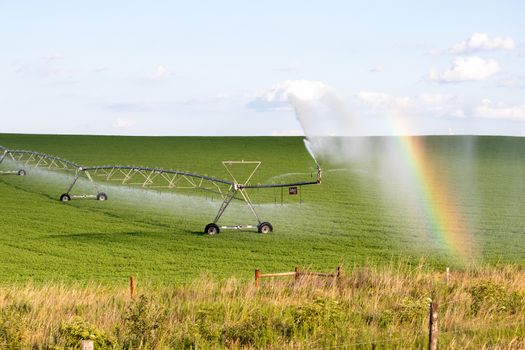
37	160
155	178
148	178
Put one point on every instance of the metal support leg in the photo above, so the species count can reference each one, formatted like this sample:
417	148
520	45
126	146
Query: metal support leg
74	182
3	156
248	201
225	204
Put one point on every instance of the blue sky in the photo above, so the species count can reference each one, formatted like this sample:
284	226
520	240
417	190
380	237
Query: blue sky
242	68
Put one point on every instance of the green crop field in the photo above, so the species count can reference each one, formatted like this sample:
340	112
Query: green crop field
363	212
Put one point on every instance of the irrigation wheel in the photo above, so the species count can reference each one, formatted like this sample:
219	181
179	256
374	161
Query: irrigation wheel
22	172
212	229
65	197
265	227
102	196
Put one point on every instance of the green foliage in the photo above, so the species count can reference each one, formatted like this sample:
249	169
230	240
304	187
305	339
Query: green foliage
208	321
260	329
408	311
71	334
12	325
489	296
281	314
311	318
359	215
142	324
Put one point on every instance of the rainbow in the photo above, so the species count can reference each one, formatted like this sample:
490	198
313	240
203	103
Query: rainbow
441	209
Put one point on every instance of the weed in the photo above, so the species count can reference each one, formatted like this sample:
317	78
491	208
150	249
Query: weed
231	314
142	324
70	335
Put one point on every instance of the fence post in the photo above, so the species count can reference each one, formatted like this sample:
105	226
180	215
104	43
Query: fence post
131	287
447	276
87	345
296	276
433	326
338	277
257	276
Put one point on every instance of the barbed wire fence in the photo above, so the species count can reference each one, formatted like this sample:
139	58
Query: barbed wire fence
429	336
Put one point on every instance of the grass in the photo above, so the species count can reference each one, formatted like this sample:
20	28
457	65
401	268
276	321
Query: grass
481	308
361	214
65	267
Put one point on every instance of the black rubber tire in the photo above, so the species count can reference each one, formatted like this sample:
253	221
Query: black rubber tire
102	196
212	229
65	197
22	172
265	227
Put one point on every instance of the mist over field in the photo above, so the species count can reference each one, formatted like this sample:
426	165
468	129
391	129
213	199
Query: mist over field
404	171
366	207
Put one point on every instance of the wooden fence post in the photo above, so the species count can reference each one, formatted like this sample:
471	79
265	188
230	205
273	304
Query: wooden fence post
338	277
447	276
87	345
433	326
257	276
131	287
297	273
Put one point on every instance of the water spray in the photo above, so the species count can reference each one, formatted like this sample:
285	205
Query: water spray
308	146
9	155
156	178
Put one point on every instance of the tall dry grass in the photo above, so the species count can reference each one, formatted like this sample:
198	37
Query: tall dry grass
480	308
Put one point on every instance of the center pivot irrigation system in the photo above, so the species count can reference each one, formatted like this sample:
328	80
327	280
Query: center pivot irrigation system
4	152
154	178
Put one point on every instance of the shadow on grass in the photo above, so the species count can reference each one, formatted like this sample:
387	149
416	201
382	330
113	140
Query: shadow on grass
100	236
223	232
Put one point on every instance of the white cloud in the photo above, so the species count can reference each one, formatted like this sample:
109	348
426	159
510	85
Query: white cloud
54	56
280	96
466	69
304	90
160	73
377	69
50	66
123	123
317	106
487	109
511	80
458	113
483	42
99	69
506	83
434	104
376	99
